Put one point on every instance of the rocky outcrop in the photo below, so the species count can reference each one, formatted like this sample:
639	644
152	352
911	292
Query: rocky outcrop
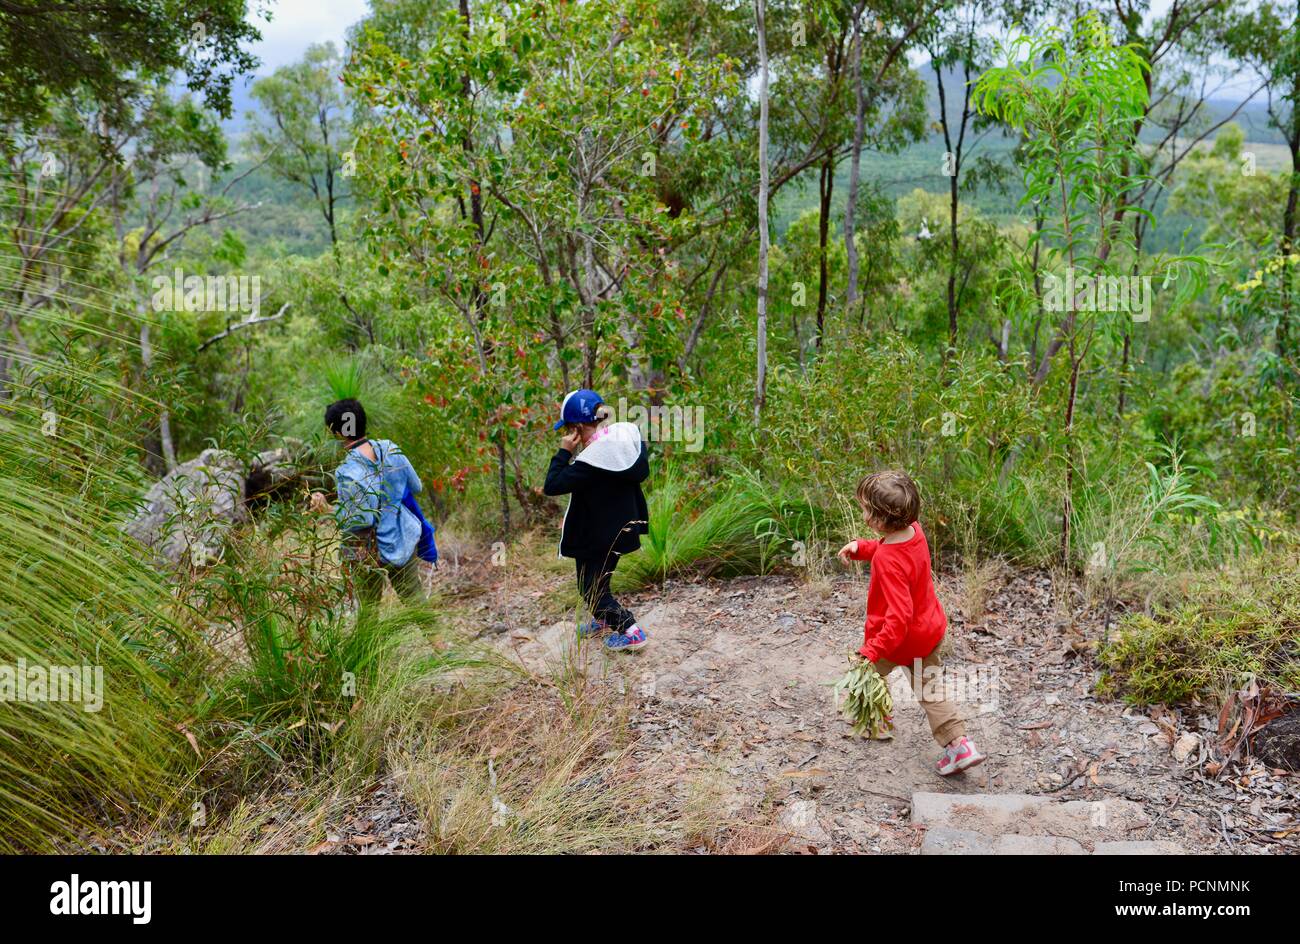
185	517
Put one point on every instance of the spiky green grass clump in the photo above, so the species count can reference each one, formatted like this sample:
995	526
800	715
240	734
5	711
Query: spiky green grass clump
738	525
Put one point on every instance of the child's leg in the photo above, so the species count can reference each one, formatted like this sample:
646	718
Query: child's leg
588	580
945	721
604	606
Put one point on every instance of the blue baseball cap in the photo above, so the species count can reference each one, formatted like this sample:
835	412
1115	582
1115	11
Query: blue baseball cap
579	407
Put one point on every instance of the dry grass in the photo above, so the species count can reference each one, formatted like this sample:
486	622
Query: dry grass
540	772
981	579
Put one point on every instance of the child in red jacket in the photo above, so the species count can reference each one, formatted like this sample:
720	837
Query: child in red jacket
905	621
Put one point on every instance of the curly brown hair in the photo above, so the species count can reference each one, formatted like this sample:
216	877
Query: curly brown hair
890	499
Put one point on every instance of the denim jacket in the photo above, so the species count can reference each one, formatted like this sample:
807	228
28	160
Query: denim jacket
370	496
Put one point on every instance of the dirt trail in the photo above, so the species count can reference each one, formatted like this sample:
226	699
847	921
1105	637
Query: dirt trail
735	681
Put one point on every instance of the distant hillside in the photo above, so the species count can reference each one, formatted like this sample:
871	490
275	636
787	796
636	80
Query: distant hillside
288	222
921	165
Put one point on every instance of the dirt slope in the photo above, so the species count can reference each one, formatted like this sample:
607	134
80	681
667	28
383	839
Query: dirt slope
735	682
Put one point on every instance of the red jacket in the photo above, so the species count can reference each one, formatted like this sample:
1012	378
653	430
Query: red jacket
905	620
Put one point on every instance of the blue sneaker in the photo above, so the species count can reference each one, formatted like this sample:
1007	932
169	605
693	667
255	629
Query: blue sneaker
628	642
591	628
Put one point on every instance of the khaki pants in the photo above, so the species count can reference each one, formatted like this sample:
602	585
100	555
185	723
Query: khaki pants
368	571
945	722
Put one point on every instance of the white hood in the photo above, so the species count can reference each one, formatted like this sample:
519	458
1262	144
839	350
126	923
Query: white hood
614	451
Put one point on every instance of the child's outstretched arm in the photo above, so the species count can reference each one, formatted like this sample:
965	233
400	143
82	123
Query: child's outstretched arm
858	550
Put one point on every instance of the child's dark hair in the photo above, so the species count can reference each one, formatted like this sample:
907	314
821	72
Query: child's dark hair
346	418
890	498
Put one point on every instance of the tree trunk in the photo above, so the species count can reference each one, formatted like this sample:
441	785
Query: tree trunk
165	445
855	162
487	349
826	187
955	154
1067	503
1284	341
1128	325
760	389
1123	372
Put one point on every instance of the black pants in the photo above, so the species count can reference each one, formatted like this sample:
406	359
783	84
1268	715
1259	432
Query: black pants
593	583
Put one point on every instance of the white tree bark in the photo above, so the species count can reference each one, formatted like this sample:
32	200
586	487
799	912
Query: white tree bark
760	392
855	162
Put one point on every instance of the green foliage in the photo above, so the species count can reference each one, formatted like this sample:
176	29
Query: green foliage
100	49
868	705
1224	630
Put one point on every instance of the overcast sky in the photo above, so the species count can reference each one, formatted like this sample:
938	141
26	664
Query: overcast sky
296	24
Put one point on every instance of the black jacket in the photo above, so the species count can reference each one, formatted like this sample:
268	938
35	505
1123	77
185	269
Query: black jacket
607	512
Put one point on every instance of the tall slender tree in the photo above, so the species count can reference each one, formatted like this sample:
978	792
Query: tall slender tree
760	386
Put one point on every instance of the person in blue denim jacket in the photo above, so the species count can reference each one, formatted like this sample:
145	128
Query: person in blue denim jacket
380	534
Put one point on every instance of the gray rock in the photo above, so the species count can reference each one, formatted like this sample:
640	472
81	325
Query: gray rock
800	819
943	841
185	516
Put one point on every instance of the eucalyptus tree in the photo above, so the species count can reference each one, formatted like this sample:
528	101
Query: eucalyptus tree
165	186
1076	96
303	134
1187	77
841	88
130	183
1267	38
98	51
955	44
513	170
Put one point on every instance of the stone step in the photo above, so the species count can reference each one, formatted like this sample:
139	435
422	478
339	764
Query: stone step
1142	847
997	813
1022	824
943	841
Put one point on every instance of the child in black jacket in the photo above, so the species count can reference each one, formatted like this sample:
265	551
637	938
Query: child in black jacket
607	511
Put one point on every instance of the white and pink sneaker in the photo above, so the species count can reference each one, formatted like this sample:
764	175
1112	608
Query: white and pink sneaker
958	757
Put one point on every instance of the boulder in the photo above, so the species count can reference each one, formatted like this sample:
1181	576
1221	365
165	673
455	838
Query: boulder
186	514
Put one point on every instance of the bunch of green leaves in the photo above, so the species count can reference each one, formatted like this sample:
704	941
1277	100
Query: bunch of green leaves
868	705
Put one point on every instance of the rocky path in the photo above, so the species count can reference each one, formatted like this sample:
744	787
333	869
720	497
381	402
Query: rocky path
735	685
